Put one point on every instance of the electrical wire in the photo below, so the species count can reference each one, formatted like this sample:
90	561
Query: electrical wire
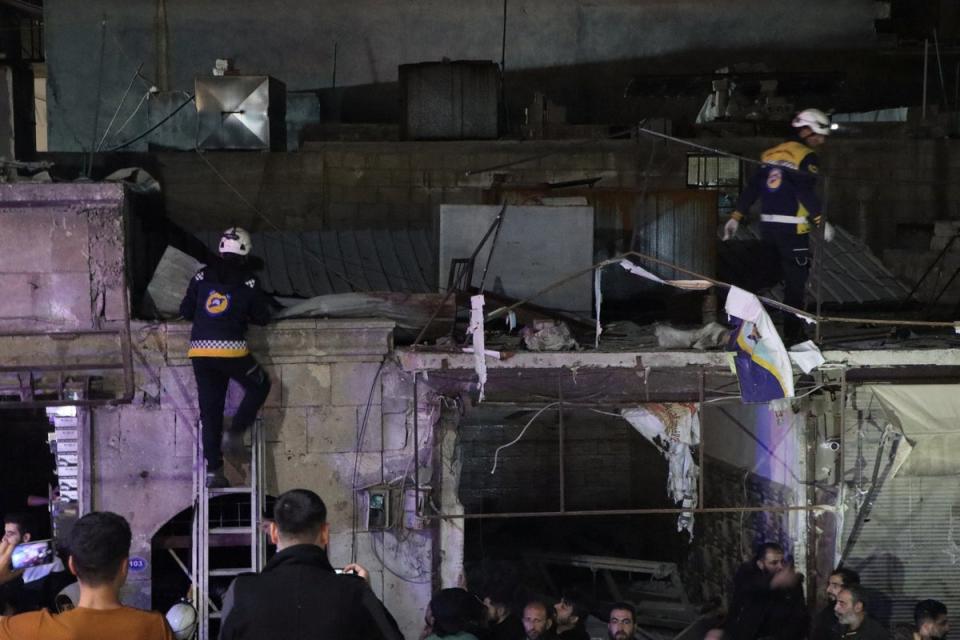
500	311
361	430
153	128
496	454
392	571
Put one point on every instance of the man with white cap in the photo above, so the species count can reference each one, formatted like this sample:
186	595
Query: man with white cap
785	185
221	299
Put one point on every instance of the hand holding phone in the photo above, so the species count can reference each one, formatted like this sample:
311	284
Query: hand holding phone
32	554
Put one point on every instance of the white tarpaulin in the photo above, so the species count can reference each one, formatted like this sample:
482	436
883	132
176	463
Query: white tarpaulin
673	428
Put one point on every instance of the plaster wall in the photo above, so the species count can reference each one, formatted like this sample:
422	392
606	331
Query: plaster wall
329	378
889	192
102	42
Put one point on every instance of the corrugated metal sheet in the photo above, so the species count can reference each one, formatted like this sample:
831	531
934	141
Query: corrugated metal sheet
908	549
680	227
851	274
313	263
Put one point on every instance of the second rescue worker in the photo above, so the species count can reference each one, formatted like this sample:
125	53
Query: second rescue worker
789	205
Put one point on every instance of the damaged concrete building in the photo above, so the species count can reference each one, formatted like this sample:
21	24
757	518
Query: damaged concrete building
501	341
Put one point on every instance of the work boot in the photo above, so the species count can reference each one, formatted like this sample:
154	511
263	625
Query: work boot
233	448
216	479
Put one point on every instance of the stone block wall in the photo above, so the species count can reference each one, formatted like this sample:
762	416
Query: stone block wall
61	256
329	379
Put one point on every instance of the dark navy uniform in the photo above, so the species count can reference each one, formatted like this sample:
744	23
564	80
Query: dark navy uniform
785	186
221	299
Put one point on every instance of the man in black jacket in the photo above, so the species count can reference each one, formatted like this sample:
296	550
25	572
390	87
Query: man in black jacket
825	624
298	594
221	299
768	599
851	610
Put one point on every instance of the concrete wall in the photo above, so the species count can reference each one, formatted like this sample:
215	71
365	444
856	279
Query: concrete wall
323	374
295	42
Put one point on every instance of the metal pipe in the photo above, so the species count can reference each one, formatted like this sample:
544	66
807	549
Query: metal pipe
560	427
701	496
416	443
628	512
96	105
926	59
943	83
93	366
818	259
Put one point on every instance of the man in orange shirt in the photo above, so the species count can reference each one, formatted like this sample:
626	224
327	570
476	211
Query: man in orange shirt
99	546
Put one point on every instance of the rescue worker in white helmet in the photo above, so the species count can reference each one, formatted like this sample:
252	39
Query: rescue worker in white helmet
785	185
220	300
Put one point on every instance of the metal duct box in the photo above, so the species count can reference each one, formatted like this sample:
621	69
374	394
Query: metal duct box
241	112
449	100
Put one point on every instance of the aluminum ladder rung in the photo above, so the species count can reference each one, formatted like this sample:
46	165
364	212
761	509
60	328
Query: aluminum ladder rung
224	491
230	572
225	531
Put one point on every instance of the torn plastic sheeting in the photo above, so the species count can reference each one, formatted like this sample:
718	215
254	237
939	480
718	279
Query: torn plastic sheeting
479	348
673	428
763	367
690	285
806	355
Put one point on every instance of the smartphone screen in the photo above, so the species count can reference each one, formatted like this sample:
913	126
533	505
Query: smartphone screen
31	554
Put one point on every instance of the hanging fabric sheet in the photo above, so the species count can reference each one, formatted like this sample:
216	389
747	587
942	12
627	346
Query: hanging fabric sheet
762	363
673	428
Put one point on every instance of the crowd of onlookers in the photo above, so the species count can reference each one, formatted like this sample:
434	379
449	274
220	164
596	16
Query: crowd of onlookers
300	595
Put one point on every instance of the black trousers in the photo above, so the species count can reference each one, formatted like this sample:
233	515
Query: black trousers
213	377
788	255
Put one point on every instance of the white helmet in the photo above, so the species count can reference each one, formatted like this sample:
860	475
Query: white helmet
235	240
817	120
182	618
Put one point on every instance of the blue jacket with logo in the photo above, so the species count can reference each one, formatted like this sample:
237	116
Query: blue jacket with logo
221	299
785	185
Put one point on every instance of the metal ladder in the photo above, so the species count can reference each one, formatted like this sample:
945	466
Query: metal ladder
246	531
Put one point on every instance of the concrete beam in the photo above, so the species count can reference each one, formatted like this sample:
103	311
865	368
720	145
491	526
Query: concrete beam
411	360
303	340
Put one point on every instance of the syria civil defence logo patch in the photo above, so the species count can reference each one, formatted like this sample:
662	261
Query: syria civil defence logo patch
774	178
217	303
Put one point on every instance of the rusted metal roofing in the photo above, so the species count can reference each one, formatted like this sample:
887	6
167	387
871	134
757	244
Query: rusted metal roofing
312	263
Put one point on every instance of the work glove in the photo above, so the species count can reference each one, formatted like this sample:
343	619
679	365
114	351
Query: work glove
828	232
730	229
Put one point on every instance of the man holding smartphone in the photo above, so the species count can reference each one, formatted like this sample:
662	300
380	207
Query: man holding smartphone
99	545
42	579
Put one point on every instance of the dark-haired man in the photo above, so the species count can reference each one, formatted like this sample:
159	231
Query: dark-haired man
99	545
502	622
571	618
622	621
825	624
851	610
38	585
767	599
298	594
930	620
